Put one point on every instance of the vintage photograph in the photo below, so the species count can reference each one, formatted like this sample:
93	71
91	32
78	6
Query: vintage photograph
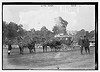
49	36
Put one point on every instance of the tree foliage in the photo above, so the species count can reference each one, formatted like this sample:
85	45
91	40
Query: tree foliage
82	32
12	30
55	30
60	27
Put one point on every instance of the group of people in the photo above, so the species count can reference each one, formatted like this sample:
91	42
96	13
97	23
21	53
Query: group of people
84	43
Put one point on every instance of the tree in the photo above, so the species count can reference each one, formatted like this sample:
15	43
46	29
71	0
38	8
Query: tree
50	35
82	32
44	30
5	32
61	25
87	34
12	30
63	22
55	30
33	30
20	30
92	33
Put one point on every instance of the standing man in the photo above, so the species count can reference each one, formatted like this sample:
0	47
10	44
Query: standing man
9	47
86	44
80	42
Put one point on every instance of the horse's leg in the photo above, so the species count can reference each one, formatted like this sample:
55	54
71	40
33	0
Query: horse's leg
58	48
43	48
20	50
34	50
51	49
55	49
46	48
29	49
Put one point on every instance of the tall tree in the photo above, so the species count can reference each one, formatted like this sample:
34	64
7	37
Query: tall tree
12	30
61	25
87	34
55	30
92	34
33	30
5	31
44	30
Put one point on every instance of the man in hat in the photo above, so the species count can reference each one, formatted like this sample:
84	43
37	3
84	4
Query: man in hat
80	42
9	47
86	44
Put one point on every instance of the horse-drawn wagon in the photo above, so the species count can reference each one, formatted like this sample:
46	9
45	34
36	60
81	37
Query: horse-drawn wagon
59	42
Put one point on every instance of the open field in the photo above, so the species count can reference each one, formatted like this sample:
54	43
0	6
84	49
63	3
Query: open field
71	59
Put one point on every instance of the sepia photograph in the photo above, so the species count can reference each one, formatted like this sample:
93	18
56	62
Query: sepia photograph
49	36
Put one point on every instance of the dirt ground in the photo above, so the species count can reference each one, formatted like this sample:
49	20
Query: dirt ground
68	59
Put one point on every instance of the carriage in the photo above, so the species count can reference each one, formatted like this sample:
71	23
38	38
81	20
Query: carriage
66	41
59	42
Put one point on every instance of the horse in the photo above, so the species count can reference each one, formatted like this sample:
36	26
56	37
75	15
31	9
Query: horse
52	44
21	47
31	46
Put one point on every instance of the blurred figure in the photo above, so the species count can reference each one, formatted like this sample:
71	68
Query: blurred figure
86	44
80	42
9	47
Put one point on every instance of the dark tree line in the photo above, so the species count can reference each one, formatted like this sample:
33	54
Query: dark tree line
82	32
12	30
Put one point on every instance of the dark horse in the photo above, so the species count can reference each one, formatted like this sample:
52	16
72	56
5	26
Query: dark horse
22	45
31	46
52	44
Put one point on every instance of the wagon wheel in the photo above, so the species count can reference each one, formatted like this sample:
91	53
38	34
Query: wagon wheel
72	45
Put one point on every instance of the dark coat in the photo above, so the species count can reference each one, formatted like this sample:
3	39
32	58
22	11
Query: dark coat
80	42
9	47
86	42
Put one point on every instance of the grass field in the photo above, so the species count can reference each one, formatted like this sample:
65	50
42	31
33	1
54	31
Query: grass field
71	59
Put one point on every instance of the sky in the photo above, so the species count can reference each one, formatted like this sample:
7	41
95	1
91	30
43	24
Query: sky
36	16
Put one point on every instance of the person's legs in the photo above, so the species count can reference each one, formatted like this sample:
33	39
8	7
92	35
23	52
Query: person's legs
81	49
20	49
8	52
34	49
43	48
86	50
